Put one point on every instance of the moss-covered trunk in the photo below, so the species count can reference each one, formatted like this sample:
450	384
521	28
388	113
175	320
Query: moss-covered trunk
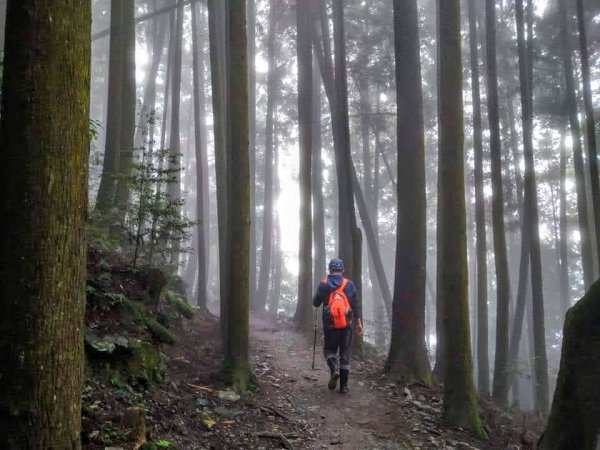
237	349
460	408
574	421
407	358
43	194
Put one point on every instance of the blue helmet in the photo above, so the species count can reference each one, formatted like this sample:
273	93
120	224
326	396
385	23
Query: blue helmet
336	264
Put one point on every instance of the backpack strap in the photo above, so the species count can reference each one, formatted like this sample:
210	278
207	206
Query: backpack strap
343	285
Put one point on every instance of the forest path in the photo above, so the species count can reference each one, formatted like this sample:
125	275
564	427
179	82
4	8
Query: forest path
360	419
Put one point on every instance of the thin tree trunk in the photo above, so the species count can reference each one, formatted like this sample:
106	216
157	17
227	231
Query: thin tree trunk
44	136
174	188
216	21
532	222
590	122
319	263
251	17
267	231
571	106
407	358
483	364
460	408
500	383
201	156
108	184
128	103
157	36
346	215
565	299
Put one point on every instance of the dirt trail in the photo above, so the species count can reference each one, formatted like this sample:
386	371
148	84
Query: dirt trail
356	420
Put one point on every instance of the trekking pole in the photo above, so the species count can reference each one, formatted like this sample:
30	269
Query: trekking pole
315	340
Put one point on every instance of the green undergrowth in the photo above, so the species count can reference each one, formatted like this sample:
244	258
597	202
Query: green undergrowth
130	313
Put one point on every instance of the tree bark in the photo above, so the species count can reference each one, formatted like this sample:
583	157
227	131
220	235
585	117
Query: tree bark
574	421
407	358
590	122
110	167
483	364
128	103
201	157
347	217
251	17
319	263
565	299
459	395
44	136
216	23
303	315
267	231
500	382
532	217
571	106
174	188
236	362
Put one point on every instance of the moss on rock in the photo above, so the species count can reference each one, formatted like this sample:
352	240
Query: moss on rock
181	304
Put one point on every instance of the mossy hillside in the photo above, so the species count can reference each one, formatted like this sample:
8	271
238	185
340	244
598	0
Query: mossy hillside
129	316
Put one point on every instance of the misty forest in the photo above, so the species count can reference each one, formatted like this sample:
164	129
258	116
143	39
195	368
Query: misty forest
300	224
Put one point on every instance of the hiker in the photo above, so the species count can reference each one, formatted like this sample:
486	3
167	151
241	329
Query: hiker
341	306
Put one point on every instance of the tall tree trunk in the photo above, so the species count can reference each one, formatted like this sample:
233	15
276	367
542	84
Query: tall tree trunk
460	408
156	36
336	123
319	263
483	364
277	254
346	215
571	106
500	384
174	188
251	17
267	231
44	136
590	122
378	306
565	298
237	350
407	358
305	86
201	157
216	23
530	198
112	152
128	102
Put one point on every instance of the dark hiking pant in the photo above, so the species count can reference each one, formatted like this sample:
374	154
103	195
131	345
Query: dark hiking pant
338	341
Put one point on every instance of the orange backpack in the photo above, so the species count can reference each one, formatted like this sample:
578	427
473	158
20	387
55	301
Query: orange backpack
339	307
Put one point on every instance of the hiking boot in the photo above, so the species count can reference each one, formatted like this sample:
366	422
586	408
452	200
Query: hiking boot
344	381
333	381
334	375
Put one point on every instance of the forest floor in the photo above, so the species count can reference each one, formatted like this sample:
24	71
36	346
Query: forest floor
291	407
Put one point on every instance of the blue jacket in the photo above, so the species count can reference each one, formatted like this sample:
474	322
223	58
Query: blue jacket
332	282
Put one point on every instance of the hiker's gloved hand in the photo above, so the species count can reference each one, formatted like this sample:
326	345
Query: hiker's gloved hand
359	327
